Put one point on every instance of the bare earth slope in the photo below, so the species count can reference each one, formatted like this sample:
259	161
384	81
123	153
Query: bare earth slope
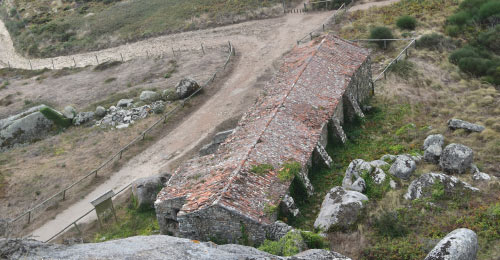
258	43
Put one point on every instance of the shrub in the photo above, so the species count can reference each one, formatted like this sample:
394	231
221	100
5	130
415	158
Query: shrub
490	11
314	240
461	18
433	41
452	30
406	22
459	54
403	68
474	66
389	224
490	39
381	33
55	117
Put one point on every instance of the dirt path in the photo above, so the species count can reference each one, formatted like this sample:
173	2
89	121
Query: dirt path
258	43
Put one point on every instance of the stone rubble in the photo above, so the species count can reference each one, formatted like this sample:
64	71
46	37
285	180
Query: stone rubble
122	118
423	185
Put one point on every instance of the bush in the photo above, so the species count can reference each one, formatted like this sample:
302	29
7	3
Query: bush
434	41
403	68
461	18
406	22
490	39
459	54
55	117
389	224
381	33
474	66
452	30
490	11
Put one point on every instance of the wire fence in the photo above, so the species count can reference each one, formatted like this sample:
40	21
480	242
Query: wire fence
395	60
338	14
99	57
16	225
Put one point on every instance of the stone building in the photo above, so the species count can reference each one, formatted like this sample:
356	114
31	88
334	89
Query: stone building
232	195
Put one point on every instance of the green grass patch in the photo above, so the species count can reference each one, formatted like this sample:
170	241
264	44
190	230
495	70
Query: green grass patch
287	245
406	22
261	169
56	117
131	222
289	171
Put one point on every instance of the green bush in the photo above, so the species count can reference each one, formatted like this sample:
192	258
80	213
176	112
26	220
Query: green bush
403	68
390	224
406	22
55	117
381	33
452	30
491	39
314	240
461	18
434	41
490	12
475	66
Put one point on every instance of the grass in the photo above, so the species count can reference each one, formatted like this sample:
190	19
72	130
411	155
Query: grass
83	27
261	169
131	222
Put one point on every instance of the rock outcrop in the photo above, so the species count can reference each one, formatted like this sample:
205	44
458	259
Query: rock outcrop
121	118
288	207
433	147
433	140
82	118
403	167
24	127
460	244
277	230
454	124
456	158
146	189
340	208
149	96
353	175
69	112
186	87
147	247
423	185
100	111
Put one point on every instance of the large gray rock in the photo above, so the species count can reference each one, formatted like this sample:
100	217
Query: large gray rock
454	124
149	96
82	118
456	158
147	247
125	103
433	153
23	128
460	244
340	208
403	167
100	111
277	230
434	140
69	112
288	207
353	174
146	189
186	87
423	185
477	175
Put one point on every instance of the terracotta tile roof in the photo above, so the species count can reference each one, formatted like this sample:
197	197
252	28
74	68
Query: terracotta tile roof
285	124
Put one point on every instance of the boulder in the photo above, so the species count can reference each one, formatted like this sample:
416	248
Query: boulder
146	189
149	96
460	244
378	176
434	140
454	124
82	118
403	167
24	128
423	185
288	207
158	107
170	95
433	153
340	208
389	158
146	247
100	111
277	230
69	112
354	172
456	158
125	103
359	185
480	176
186	87
379	164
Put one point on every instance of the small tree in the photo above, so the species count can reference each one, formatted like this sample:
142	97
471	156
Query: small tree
406	22
381	32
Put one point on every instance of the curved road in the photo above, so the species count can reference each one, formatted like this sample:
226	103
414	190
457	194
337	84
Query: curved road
258	43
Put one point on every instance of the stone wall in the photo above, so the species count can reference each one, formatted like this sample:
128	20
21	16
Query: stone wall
359	89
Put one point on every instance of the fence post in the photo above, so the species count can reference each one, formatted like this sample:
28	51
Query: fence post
8	62
121	153
202	49
74	61
305	7
95	174
53	67
323	27
64	194
97	60
406	52
173	52
121	56
385	77
78	229
147	54
29	216
385	44
415	43
311	34
31	66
